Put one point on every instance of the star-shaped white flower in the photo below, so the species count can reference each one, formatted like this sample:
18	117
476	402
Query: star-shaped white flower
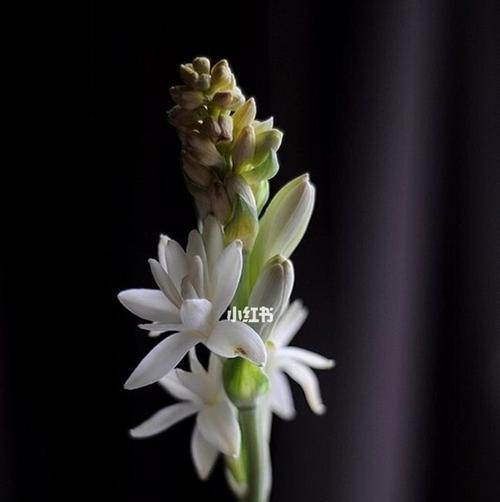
201	392
196	288
295	362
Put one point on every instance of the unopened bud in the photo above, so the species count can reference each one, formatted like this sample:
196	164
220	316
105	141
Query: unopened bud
196	172
201	65
180	117
203	83
244	382
211	129
205	150
223	99
284	222
188	75
186	97
226	126
221	76
264	125
244	148
261	194
244	116
238	99
219	202
265	170
266	141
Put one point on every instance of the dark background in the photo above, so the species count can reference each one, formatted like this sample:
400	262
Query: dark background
393	107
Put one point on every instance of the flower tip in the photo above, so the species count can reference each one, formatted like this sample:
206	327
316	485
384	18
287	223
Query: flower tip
320	409
332	363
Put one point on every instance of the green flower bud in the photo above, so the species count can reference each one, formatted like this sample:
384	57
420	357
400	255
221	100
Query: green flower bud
265	170
261	194
201	65
244	116
244	382
284	223
265	142
244	148
244	223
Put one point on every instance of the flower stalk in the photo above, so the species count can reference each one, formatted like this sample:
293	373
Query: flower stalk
238	257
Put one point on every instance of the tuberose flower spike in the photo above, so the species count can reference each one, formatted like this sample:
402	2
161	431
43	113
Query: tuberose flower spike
221	140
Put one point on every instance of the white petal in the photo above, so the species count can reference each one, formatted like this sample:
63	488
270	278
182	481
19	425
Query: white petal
203	453
225	277
187	289
195	246
162	359
197	315
165	283
197	384
280	395
175	262
164	419
306	357
161	327
232	339
289	324
195	275
213	239
149	304
219	426
309	383
172	384
194	363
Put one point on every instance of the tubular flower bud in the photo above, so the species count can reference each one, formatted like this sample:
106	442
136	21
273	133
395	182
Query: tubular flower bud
284	222
244	148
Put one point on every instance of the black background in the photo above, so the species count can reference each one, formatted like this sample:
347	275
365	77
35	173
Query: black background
393	109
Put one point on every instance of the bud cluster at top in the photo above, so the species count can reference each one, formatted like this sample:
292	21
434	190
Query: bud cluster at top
227	155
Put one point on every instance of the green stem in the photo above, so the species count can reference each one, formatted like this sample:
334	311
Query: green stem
257	455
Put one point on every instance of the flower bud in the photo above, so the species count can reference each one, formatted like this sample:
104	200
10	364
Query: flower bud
221	76
188	75
272	291
244	148
265	125
211	129
261	194
205	150
226	126
284	223
186	97
201	65
219	202
223	99
265	170
265	142
244	222
203	82
196	172
244	116
244	382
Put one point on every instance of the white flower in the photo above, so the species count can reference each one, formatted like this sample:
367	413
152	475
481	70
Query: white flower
200	392
292	361
196	287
